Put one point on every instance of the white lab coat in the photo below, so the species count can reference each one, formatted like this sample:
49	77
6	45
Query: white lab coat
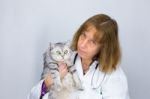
96	84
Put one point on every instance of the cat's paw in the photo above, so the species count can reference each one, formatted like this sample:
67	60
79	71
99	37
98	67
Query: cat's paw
79	86
77	81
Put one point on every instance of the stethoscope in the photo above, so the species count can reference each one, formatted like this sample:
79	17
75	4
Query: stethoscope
95	86
100	84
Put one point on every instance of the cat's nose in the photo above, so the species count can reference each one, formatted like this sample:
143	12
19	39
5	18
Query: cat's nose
62	56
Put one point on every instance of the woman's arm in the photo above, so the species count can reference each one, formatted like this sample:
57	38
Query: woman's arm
36	91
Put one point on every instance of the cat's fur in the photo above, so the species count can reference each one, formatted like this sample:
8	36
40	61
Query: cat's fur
60	52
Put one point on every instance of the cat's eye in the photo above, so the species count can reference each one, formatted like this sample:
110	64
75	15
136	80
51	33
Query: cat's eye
66	51
58	52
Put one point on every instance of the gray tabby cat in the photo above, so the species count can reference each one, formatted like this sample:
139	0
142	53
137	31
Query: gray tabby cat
60	52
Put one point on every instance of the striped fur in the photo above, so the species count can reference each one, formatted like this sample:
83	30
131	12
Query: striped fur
60	52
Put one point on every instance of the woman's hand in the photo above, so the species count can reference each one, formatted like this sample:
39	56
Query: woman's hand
62	69
48	80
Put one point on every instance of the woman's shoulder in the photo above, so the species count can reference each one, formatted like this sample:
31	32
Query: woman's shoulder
116	85
119	72
117	75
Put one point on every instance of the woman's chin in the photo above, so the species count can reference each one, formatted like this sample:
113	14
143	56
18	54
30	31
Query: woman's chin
82	55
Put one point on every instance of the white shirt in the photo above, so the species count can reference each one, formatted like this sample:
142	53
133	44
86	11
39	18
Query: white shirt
96	84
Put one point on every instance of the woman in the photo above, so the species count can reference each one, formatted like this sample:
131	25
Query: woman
97	54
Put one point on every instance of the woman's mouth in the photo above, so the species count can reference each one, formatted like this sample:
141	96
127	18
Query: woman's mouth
81	52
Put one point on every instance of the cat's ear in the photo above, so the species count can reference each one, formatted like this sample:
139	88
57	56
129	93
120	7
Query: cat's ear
51	46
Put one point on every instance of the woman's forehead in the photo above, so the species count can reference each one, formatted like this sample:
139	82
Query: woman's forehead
93	33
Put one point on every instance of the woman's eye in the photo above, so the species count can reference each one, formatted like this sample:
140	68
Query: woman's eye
84	35
92	42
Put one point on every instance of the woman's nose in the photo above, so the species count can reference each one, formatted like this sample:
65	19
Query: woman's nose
83	43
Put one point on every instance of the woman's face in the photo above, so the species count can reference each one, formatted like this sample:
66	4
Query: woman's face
87	46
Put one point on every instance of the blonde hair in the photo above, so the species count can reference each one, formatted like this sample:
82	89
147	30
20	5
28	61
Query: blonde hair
107	28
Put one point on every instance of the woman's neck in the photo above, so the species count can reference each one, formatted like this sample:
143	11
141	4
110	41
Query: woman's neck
86	64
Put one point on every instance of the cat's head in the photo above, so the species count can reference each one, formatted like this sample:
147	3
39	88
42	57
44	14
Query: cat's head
60	52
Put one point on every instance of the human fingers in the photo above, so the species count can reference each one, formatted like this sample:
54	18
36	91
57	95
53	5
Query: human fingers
48	80
63	69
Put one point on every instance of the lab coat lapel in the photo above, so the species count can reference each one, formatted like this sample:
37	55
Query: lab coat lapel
78	66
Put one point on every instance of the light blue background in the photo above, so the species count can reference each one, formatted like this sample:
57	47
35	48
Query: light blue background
26	27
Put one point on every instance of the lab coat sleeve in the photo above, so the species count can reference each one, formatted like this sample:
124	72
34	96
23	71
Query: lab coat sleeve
116	87
36	92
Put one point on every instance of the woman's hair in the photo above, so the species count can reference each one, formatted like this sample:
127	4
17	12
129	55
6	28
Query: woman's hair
107	36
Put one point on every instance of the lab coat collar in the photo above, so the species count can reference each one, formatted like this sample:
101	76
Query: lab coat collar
79	66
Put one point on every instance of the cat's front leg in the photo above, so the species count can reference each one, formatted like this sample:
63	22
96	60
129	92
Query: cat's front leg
75	76
52	94
57	81
77	81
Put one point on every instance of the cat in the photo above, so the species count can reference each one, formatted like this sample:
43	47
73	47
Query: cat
61	88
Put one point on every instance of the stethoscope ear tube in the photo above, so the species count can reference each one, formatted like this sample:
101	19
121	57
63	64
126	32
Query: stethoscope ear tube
92	80
99	85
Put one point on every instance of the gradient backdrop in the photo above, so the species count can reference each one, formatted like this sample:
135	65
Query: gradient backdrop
26	27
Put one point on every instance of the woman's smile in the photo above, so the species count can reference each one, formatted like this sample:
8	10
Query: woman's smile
81	52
